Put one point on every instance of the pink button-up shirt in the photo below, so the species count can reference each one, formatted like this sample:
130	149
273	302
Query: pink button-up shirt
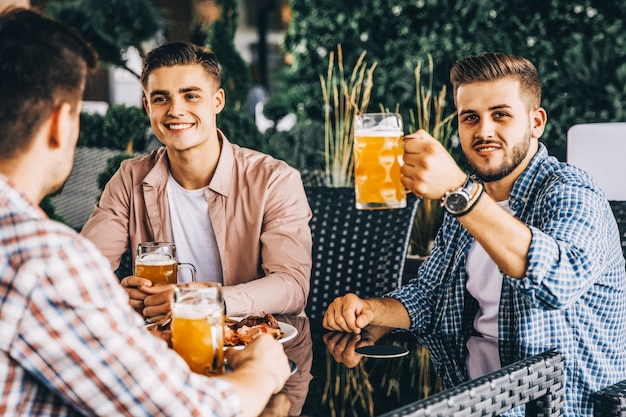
260	216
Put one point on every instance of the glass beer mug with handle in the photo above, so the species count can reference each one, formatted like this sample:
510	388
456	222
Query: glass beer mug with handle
198	326
378	152
157	262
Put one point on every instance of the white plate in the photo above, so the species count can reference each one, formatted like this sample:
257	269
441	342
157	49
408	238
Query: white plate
288	331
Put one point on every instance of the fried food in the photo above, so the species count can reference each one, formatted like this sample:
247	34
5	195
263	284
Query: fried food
240	333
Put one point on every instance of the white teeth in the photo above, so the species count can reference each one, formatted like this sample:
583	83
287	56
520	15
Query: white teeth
180	126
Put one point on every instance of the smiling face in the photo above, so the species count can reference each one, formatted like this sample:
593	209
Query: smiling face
498	128
182	102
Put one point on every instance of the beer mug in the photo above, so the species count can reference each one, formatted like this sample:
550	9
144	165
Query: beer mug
378	151
198	326
157	262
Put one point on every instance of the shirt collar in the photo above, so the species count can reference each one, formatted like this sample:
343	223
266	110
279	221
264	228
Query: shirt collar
520	193
220	183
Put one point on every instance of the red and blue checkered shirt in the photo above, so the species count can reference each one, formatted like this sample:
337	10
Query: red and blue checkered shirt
70	344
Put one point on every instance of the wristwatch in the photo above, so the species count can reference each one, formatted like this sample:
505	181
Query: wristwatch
460	201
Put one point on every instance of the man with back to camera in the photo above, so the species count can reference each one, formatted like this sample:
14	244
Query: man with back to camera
71	344
528	257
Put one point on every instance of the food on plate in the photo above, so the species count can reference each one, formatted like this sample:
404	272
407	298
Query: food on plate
239	333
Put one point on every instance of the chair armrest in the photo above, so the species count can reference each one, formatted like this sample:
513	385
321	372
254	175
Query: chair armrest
611	401
536	381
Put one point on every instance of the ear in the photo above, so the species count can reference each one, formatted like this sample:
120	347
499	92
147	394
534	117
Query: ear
538	119
146	104
61	126
220	100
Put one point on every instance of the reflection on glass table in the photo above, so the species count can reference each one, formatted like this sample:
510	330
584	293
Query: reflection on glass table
346	384
350	385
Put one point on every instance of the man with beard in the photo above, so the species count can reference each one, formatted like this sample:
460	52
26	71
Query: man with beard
528	257
71	345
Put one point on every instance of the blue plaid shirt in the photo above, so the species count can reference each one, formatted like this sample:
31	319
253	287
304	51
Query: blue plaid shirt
573	297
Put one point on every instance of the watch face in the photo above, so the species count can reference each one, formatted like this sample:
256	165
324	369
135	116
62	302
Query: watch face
456	202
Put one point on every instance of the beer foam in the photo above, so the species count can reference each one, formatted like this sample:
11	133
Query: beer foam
196	311
377	132
155	259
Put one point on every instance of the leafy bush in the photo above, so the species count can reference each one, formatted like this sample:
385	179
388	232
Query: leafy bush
90	130
122	127
220	38
302	147
110	26
239	128
113	164
48	207
125	128
578	48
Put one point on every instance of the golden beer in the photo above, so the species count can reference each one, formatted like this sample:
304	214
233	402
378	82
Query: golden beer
159	268
377	162
198	326
198	337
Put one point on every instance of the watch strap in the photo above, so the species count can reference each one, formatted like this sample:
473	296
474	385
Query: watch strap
466	189
473	201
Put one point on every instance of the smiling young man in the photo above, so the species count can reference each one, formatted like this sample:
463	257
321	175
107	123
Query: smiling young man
528	257
240	216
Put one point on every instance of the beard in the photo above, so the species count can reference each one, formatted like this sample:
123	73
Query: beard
518	154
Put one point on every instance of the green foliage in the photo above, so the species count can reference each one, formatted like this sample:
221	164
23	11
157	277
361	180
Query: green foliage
277	107
302	147
236	77
113	164
578	48
90	130
48	207
125	128
122	127
240	129
111	26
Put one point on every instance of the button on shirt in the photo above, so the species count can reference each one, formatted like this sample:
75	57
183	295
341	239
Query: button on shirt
70	344
572	298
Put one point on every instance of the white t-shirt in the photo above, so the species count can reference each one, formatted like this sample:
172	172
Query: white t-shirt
484	283
193	232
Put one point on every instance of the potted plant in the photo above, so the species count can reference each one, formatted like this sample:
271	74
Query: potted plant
429	115
343	99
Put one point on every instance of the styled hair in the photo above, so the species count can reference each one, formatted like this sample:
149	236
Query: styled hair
492	66
179	53
43	64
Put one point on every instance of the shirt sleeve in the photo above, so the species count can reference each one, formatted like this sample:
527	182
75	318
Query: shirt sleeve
574	243
108	225
286	247
81	339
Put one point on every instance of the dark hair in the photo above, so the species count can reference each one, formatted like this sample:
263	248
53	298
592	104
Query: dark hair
491	66
179	53
43	64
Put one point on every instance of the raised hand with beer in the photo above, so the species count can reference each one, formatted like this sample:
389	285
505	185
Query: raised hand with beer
156	270
377	160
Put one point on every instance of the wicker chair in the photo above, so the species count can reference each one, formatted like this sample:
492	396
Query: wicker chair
536	382
599	149
360	251
611	401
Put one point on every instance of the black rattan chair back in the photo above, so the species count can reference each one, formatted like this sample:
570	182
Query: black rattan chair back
359	251
619	211
611	401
